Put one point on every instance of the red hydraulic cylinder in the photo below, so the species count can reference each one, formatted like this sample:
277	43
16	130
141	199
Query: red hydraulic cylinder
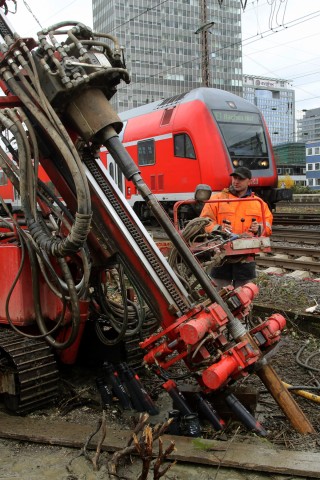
232	362
247	293
270	329
216	375
211	319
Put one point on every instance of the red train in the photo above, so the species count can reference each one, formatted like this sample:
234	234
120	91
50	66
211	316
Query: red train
196	137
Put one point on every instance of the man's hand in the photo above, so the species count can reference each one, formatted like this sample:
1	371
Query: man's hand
226	226
254	226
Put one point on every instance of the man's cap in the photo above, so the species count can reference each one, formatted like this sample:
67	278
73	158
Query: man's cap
242	172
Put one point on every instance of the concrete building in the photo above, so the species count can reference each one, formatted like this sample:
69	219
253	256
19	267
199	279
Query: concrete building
276	100
313	164
308	127
174	46
291	162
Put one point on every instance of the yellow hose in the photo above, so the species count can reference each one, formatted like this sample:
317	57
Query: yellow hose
303	393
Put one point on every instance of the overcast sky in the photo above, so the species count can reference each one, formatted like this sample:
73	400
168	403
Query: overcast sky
281	38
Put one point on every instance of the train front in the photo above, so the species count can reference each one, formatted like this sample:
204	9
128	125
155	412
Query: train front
248	144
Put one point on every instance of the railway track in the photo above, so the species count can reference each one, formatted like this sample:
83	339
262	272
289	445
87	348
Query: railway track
292	250
288	262
294	235
287	253
279	234
296	219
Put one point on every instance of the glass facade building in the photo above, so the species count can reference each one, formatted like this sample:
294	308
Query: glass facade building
164	55
276	101
308	126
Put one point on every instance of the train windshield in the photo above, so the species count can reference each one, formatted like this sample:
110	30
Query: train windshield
244	135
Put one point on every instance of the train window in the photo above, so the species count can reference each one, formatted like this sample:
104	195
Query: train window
244	135
183	146
146	152
3	178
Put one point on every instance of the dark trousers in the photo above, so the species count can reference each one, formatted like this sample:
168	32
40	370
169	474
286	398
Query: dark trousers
236	274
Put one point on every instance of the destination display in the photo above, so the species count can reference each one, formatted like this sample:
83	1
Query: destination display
236	117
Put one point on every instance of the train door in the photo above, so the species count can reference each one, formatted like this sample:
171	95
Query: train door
114	169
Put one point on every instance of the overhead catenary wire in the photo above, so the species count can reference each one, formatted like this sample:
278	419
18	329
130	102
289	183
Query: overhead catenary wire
251	39
258	36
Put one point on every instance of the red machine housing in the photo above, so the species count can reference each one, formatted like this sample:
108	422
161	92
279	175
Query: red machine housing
21	304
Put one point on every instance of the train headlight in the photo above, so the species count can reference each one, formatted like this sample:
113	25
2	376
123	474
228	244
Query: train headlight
264	163
202	193
238	163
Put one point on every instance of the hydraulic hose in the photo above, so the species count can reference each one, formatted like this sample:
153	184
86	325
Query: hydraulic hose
111	141
76	238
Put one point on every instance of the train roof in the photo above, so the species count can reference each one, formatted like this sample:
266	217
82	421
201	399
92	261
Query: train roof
213	97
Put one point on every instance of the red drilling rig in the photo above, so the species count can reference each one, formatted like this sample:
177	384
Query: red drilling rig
59	258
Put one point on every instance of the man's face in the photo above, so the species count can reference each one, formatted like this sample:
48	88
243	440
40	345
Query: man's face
240	184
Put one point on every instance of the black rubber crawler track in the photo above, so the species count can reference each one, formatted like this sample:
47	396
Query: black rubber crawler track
29	372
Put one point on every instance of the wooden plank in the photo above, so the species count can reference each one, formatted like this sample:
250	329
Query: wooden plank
258	457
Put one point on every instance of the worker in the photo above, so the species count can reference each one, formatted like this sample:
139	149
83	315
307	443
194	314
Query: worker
237	218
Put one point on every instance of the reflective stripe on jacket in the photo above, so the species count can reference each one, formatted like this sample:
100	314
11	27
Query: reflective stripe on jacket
239	214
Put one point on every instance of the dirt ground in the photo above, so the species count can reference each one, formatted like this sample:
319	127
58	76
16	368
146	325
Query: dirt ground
79	402
25	461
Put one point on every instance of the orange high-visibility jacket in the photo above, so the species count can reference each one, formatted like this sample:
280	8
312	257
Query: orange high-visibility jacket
239	213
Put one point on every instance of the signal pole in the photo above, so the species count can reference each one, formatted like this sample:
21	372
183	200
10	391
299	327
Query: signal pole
205	26
204	46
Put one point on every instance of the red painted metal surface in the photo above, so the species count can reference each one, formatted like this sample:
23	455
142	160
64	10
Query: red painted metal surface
21	304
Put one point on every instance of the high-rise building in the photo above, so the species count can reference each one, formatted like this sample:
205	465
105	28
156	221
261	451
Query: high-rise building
308	127
173	46
276	101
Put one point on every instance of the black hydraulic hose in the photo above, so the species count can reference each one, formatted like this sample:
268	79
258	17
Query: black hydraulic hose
25	241
131	172
7	304
56	199
114	311
305	364
9	169
81	226
122	332
75	312
96	43
303	387
314	354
